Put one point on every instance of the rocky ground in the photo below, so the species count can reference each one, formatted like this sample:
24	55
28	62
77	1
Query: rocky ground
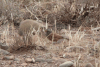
82	50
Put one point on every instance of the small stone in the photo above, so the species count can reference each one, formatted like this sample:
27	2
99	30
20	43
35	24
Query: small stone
88	65
4	46
40	60
18	62
49	60
59	59
27	56
68	55
28	60
33	59
67	64
10	62
8	58
2	64
43	60
75	49
4	52
24	64
16	59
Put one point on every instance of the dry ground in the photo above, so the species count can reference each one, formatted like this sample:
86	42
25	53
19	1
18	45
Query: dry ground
83	32
82	48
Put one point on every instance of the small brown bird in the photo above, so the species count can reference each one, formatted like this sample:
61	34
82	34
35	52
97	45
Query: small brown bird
54	36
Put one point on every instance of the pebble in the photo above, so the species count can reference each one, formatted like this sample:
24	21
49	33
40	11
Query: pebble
68	55
18	62
29	60
67	64
16	59
75	49
43	60
24	64
4	52
88	65
59	59
40	60
8	57
33	59
3	46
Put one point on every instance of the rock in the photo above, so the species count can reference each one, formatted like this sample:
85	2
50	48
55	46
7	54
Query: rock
89	65
75	49
33	59
67	64
16	59
24	64
4	52
17	62
29	60
40	60
49	60
43	60
68	55
8	58
4	46
58	59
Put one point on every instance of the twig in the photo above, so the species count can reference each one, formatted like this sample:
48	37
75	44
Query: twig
31	13
96	28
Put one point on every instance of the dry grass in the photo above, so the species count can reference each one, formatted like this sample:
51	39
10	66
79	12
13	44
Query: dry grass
75	12
54	12
77	39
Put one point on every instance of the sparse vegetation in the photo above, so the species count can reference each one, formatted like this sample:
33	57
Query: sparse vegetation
79	20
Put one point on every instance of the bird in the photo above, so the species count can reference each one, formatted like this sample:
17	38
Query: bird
28	28
54	36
